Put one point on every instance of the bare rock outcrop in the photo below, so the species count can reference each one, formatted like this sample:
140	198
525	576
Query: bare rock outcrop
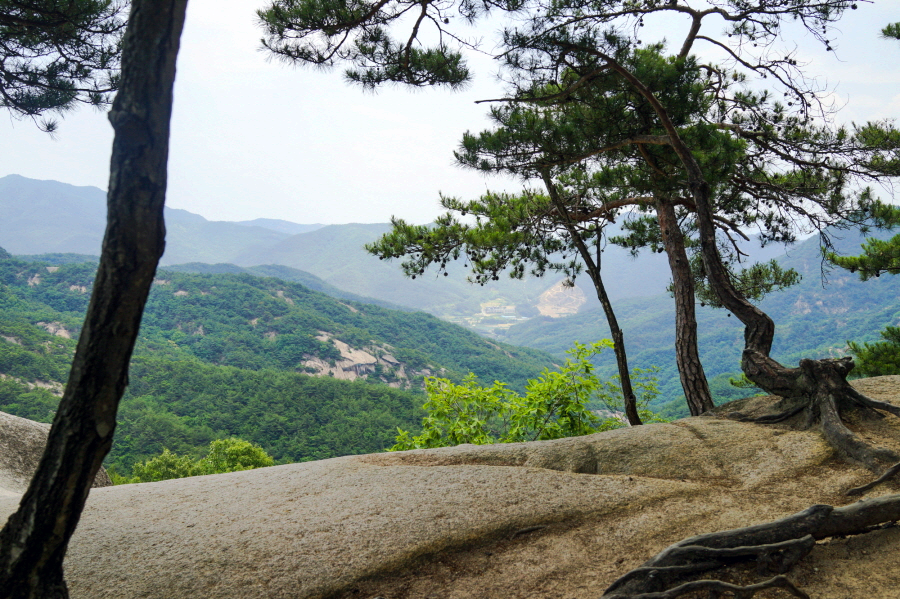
551	519
21	445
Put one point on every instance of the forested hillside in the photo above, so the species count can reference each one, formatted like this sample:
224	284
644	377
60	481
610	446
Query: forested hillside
232	354
813	319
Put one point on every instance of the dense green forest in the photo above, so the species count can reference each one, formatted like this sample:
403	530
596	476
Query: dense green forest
227	355
222	351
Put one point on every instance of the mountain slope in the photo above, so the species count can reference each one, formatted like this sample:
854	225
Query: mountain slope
231	354
282	226
814	319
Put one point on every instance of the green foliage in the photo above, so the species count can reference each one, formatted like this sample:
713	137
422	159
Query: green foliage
879	256
222	355
880	358
224	455
56	53
555	405
742	382
232	455
754	282
165	466
323	33
891	31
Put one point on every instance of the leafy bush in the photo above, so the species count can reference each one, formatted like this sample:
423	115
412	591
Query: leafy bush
225	455
555	405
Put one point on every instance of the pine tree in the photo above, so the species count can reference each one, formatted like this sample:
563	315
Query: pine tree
33	541
57	53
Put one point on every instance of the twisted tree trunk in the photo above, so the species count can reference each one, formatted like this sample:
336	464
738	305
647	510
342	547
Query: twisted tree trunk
33	542
818	388
687	356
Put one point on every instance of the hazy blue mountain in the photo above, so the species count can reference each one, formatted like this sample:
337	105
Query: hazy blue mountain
43	217
282	226
335	254
39	217
192	238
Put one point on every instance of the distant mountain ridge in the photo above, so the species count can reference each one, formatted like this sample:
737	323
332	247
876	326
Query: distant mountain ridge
41	217
283	226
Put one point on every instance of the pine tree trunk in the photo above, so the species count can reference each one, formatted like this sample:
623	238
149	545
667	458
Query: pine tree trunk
629	399
690	369
593	267
818	388
618	338
34	541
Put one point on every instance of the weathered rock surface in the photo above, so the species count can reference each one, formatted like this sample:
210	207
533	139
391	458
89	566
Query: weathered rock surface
554	519
21	445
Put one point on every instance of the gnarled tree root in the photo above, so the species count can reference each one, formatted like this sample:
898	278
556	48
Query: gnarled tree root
888	474
775	546
819	389
717	588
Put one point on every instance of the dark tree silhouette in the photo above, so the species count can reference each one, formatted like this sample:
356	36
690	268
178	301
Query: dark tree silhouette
57	53
34	540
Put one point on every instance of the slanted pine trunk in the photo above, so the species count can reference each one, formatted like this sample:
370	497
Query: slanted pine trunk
690	369
33	543
593	268
618	338
818	388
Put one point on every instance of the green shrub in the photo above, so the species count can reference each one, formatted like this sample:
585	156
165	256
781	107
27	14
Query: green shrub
555	405
224	455
880	358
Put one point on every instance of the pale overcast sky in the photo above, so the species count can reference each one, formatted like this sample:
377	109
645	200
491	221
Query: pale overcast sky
255	138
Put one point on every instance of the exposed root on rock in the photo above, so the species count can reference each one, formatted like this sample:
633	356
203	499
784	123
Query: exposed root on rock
889	474
819	390
768	418
775	547
717	588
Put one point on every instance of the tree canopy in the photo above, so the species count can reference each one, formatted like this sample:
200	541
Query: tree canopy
785	167
555	405
57	53
224	455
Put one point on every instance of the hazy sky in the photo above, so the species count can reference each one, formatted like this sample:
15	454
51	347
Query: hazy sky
256	138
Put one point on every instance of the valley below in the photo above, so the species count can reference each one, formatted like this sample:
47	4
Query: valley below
293	337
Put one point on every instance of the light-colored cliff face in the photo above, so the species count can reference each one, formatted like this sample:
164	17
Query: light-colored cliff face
561	300
362	363
552	519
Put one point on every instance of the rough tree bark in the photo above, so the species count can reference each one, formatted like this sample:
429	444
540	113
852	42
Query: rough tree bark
687	356
34	540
